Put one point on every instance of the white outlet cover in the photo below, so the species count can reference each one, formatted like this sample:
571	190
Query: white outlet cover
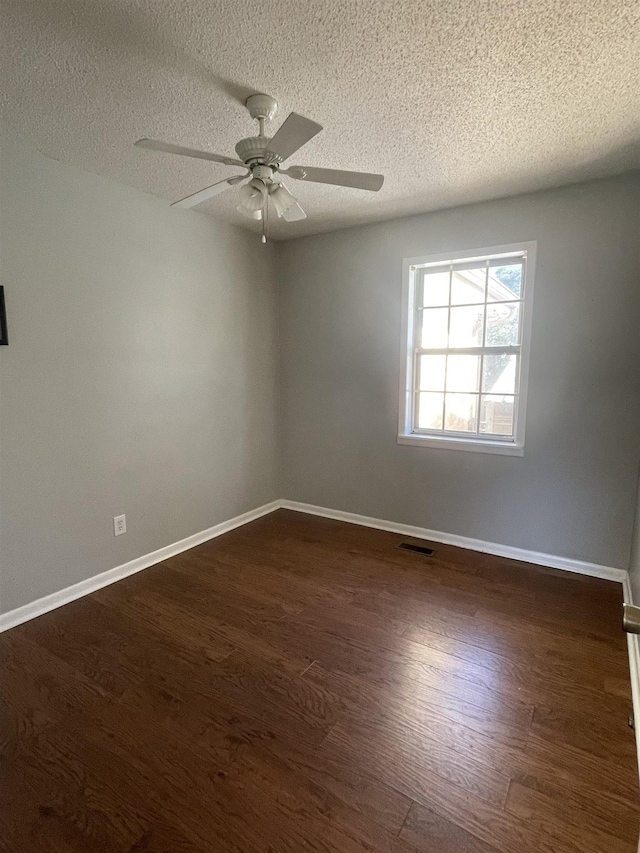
119	525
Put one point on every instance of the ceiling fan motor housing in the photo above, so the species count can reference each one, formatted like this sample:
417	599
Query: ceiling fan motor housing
255	149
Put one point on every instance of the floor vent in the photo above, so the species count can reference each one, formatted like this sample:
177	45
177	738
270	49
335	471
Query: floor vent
419	549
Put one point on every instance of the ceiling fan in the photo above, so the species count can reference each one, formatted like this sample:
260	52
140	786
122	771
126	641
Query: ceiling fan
263	156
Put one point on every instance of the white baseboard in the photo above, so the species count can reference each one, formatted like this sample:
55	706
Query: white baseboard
541	559
70	593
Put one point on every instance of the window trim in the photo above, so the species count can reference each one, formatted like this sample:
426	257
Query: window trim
504	447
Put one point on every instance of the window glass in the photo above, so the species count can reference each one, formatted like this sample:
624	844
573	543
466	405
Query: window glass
435	288
466	325
503	324
435	323
505	282
430	410
496	415
499	373
463	373
461	412
468	285
432	370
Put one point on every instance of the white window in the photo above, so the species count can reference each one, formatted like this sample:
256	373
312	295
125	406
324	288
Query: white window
465	352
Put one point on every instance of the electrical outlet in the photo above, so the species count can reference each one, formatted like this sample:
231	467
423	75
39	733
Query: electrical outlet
119	525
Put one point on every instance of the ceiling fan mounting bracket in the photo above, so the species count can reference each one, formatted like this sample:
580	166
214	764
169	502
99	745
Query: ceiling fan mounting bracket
261	106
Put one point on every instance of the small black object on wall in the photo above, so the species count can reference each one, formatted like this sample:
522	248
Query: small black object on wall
4	337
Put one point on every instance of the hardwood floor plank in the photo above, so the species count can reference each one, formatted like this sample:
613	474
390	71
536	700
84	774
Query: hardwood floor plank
387	712
112	782
171	677
610	814
396	661
412	766
619	687
171	617
262	578
364	794
344	614
304	684
430	712
497	828
429	832
540	648
567	765
49	796
569	826
606	736
335	822
230	626
259	803
23	709
532	680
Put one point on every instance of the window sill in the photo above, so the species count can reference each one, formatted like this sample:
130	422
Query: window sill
451	443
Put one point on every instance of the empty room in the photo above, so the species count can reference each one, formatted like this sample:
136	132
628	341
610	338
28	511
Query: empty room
319	426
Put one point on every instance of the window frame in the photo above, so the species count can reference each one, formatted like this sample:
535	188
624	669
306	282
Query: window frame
410	283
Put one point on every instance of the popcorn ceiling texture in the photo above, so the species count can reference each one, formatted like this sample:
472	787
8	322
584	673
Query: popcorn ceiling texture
453	101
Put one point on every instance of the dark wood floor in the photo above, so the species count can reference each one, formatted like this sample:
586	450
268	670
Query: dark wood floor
304	685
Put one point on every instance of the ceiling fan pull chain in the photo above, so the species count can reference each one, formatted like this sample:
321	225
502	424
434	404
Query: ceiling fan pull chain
265	218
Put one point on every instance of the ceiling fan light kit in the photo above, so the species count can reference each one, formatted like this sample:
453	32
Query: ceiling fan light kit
282	199
252	196
261	156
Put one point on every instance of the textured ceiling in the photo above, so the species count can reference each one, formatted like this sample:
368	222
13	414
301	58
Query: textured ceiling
453	100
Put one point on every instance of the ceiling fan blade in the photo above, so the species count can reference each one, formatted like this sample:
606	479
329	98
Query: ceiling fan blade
292	134
357	180
209	192
169	148
294	213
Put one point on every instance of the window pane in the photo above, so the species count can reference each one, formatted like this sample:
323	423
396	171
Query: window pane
466	326
505	282
430	411
503	324
461	412
434	327
435	288
499	373
467	286
463	373
496	415
432	372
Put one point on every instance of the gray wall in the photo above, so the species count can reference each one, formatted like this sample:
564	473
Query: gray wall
140	376
573	492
